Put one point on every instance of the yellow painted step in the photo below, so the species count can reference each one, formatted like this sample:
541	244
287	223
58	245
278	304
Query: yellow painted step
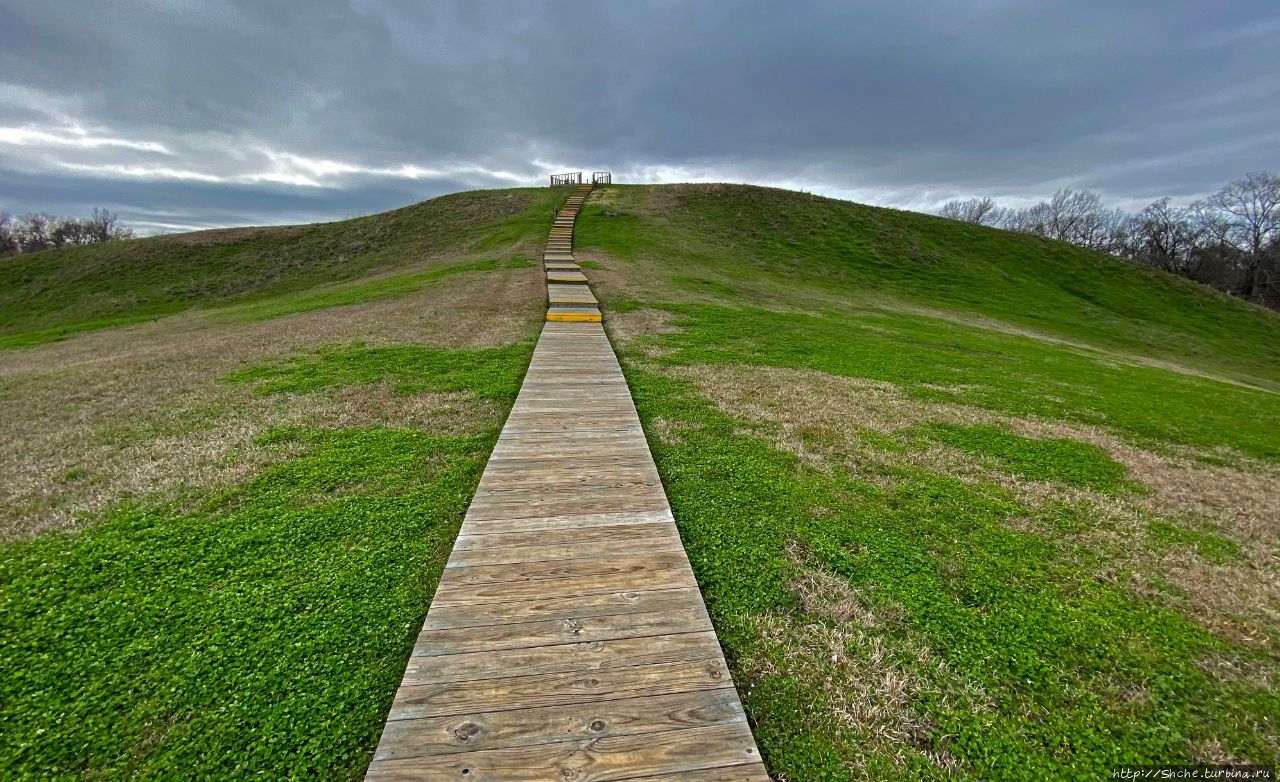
574	315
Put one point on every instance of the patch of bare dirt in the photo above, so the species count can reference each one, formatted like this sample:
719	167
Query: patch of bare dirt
824	419
644	322
143	410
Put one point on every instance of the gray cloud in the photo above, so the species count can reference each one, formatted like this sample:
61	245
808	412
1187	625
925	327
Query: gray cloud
180	113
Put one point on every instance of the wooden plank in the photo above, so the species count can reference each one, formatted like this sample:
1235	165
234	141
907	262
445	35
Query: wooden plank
480	545
530	521
584	394
551	724
574	316
576	443
591	425
549	632
580	657
508	573
558	607
568	293
650	577
649	494
592	760
627	528
566	277
551	449
524	692
537	551
591	412
609	428
752	771
561	478
535	461
556	512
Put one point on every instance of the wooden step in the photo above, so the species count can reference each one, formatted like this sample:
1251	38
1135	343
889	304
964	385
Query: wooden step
573	315
571	294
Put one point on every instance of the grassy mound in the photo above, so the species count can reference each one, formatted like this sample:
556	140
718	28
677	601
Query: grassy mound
963	503
49	295
221	529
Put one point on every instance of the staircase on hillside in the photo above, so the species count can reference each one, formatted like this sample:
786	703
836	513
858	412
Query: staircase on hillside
569	299
567	640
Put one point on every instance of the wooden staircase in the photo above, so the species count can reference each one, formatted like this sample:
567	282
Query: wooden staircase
567	640
569	300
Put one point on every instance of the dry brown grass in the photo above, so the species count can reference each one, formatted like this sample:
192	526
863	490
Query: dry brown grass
822	418
630	325
862	661
216	236
142	410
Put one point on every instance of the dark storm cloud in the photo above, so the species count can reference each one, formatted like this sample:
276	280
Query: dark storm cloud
180	112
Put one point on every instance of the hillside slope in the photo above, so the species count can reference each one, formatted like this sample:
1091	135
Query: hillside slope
766	245
964	504
220	528
48	295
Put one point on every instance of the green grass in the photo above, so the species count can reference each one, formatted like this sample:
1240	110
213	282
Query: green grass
1017	613
1206	541
1048	670
1052	459
767	246
939	360
257	630
260	630
52	295
490	373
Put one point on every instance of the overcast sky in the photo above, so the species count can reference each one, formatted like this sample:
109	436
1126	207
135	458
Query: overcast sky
191	113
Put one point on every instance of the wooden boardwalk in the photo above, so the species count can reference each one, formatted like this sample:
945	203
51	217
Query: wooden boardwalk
567	639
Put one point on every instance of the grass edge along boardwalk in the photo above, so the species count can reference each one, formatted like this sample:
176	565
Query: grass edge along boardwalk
567	639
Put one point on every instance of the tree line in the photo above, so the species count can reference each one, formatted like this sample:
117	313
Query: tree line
1229	241
34	232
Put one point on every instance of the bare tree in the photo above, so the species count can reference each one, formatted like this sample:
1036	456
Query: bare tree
32	232
1164	236
35	232
68	231
1270	275
979	211
1253	207
104	226
1230	241
8	242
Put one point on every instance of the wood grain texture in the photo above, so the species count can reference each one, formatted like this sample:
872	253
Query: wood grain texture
687	749
550	724
567	639
678	619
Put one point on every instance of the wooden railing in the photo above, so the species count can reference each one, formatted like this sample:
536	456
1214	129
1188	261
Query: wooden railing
574	178
601	178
